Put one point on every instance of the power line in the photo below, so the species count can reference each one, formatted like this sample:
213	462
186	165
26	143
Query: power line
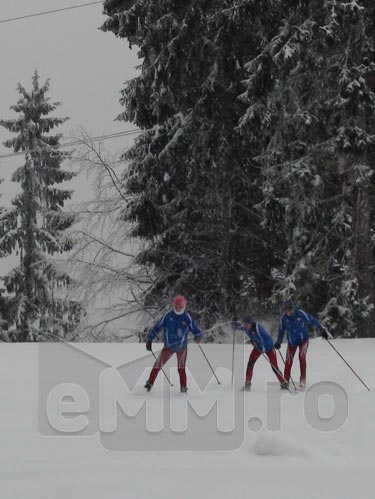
48	12
77	142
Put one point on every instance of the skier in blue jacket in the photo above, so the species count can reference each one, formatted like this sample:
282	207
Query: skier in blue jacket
175	324
263	344
294	322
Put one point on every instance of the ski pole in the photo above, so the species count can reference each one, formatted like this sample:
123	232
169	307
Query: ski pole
165	374
208	362
274	368
216	327
203	332
291	379
339	354
233	341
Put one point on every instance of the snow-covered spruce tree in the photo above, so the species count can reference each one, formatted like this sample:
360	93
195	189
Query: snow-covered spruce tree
191	178
36	226
318	165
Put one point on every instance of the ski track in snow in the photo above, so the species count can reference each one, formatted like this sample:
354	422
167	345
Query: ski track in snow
294	462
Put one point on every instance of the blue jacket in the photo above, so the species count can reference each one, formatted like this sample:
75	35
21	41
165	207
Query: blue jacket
175	329
295	327
261	340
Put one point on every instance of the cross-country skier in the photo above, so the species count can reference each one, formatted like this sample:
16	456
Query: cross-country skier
263	344
294	322
176	324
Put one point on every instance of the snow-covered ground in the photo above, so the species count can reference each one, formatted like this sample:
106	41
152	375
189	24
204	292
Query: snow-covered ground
299	460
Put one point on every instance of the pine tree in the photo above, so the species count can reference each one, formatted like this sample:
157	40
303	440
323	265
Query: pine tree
317	169
36	225
190	175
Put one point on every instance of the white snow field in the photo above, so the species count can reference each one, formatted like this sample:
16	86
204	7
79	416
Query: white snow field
298	460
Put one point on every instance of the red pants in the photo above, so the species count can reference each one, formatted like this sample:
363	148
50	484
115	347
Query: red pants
302	359
164	356
254	355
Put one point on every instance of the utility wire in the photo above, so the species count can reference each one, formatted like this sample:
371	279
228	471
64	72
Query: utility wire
69	144
76	142
48	12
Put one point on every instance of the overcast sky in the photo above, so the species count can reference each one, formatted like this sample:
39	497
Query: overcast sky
87	69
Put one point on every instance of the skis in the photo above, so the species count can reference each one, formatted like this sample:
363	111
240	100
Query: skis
291	389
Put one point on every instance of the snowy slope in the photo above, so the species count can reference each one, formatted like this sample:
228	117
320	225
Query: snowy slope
297	461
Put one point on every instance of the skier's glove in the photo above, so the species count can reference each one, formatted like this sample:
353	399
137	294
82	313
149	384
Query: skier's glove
197	339
148	345
277	345
326	334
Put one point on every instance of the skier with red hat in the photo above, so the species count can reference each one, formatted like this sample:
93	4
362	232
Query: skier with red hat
176	324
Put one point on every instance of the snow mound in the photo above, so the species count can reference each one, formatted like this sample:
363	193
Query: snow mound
281	446
335	451
275	445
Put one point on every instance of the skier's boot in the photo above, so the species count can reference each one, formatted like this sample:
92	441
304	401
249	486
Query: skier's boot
183	389
148	386
247	386
302	383
284	385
